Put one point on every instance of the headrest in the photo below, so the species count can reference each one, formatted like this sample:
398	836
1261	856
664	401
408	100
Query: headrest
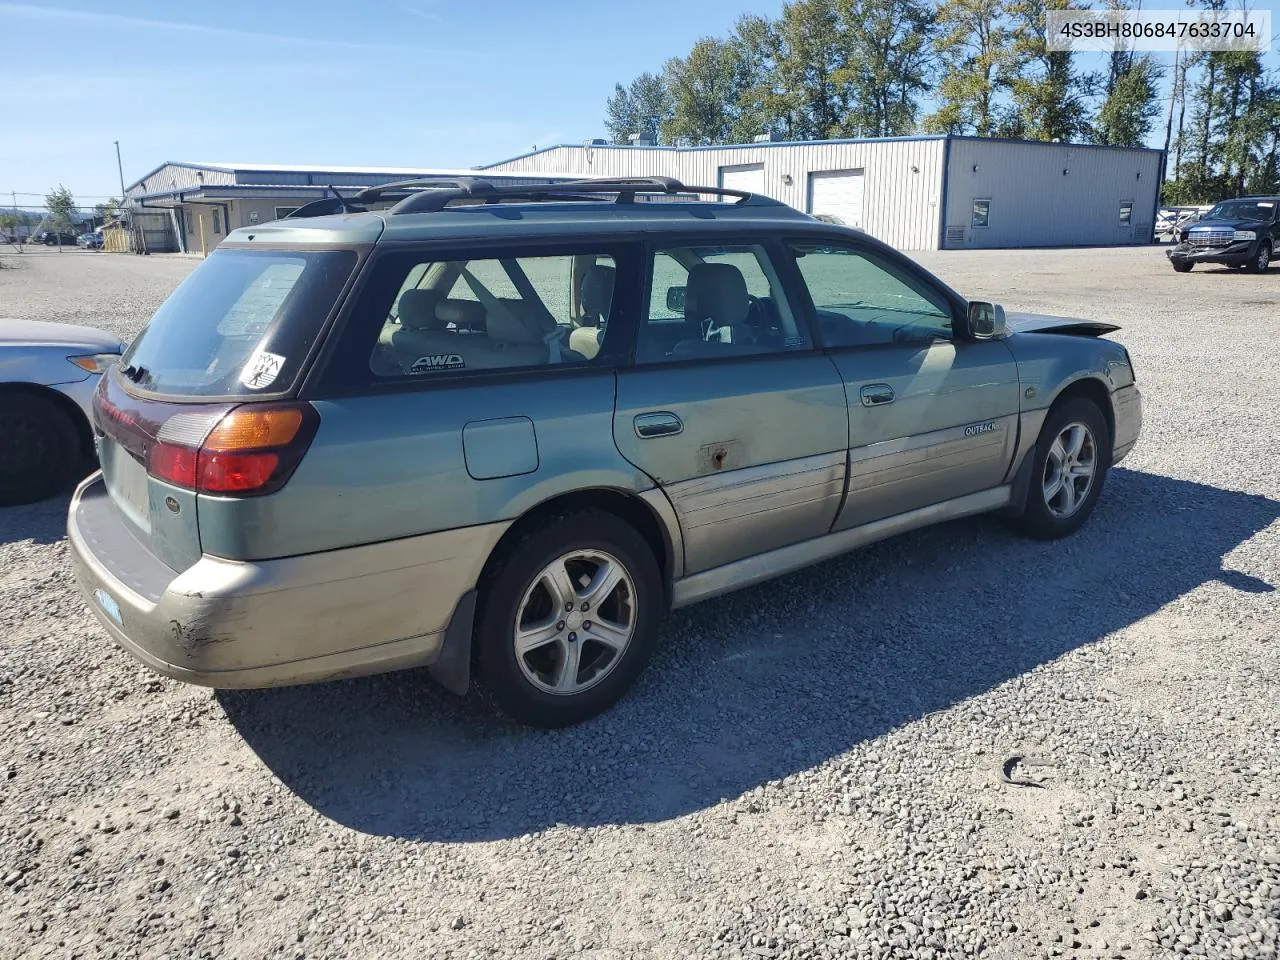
464	314
597	293
718	292
418	309
509	326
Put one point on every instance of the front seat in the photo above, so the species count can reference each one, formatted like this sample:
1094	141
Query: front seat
596	297
715	302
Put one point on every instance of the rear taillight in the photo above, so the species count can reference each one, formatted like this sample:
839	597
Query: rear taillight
253	449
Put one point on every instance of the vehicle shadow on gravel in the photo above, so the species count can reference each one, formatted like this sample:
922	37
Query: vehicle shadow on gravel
42	522
760	684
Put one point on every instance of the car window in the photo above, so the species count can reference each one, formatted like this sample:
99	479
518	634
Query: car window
715	301
861	301
449	316
240	324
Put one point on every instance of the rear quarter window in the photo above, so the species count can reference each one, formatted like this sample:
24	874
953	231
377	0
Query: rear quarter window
241	324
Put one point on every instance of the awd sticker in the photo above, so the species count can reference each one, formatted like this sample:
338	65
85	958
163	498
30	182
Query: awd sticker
261	370
976	428
437	361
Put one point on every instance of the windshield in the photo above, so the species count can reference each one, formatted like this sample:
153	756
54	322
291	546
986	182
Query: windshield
240	324
1258	210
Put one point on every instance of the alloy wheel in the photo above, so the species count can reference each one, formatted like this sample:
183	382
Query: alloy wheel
575	622
1069	470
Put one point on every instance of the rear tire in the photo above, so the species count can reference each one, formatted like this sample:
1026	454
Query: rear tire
1070	465
39	449
580	654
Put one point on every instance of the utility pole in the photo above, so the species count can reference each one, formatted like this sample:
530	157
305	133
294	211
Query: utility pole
120	170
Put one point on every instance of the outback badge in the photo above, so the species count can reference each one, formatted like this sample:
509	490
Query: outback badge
976	428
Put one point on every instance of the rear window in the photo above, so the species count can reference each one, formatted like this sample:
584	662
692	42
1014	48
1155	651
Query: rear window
241	324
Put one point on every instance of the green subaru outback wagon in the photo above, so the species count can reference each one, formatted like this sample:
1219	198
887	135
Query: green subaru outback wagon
501	430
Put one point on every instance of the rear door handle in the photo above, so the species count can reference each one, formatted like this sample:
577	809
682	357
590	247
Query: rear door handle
876	394
661	424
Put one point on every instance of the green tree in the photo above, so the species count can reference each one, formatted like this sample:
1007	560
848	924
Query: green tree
1129	112
1047	93
887	64
811	76
61	206
760	107
107	211
974	48
704	89
639	108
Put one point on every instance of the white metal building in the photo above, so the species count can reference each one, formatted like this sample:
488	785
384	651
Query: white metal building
189	207
914	193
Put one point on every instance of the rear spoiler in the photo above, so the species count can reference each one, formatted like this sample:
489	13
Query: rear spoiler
1040	323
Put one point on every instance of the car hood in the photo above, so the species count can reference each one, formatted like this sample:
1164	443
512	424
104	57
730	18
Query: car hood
1044	323
15	333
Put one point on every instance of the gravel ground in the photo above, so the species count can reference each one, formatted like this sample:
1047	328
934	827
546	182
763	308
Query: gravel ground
810	768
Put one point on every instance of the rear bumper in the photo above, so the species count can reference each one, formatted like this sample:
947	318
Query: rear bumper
236	624
1126	405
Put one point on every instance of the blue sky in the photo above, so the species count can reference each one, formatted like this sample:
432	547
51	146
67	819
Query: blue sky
382	82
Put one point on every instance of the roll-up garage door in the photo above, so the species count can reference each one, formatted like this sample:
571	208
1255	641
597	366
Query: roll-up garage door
837	193
749	177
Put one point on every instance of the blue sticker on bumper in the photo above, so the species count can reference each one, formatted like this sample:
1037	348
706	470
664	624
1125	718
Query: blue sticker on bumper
109	605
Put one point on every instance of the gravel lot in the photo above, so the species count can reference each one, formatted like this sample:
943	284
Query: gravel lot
809	768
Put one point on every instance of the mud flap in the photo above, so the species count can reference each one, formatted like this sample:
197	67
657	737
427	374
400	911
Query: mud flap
1018	488
452	669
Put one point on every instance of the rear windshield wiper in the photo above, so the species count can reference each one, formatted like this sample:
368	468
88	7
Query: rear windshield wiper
135	373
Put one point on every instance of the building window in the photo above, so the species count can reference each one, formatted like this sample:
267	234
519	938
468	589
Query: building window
981	213
1126	212
215	215
282	212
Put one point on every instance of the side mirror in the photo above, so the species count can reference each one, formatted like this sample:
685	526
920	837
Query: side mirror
986	320
675	299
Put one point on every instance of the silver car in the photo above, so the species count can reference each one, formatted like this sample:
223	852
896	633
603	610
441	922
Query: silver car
507	428
48	372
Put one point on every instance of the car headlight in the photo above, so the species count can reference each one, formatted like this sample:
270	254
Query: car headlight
95	362
1244	235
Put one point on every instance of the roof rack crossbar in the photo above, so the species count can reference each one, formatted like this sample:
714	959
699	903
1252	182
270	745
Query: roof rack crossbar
437	195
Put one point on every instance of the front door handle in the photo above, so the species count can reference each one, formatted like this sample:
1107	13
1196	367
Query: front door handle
662	424
876	394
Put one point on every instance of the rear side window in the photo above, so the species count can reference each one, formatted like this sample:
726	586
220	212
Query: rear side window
241	324
439	316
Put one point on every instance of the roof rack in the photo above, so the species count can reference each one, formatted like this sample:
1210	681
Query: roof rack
433	197
429	195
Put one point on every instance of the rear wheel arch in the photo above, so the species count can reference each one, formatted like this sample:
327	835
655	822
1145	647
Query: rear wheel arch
627	507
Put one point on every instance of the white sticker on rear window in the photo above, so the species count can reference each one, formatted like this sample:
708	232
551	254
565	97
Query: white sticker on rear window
438	361
261	370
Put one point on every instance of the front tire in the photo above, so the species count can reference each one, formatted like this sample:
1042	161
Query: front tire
1070	465
1262	259
1181	267
39	449
568	619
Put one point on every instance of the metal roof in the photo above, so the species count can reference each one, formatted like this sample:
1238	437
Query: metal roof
814	143
312	169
